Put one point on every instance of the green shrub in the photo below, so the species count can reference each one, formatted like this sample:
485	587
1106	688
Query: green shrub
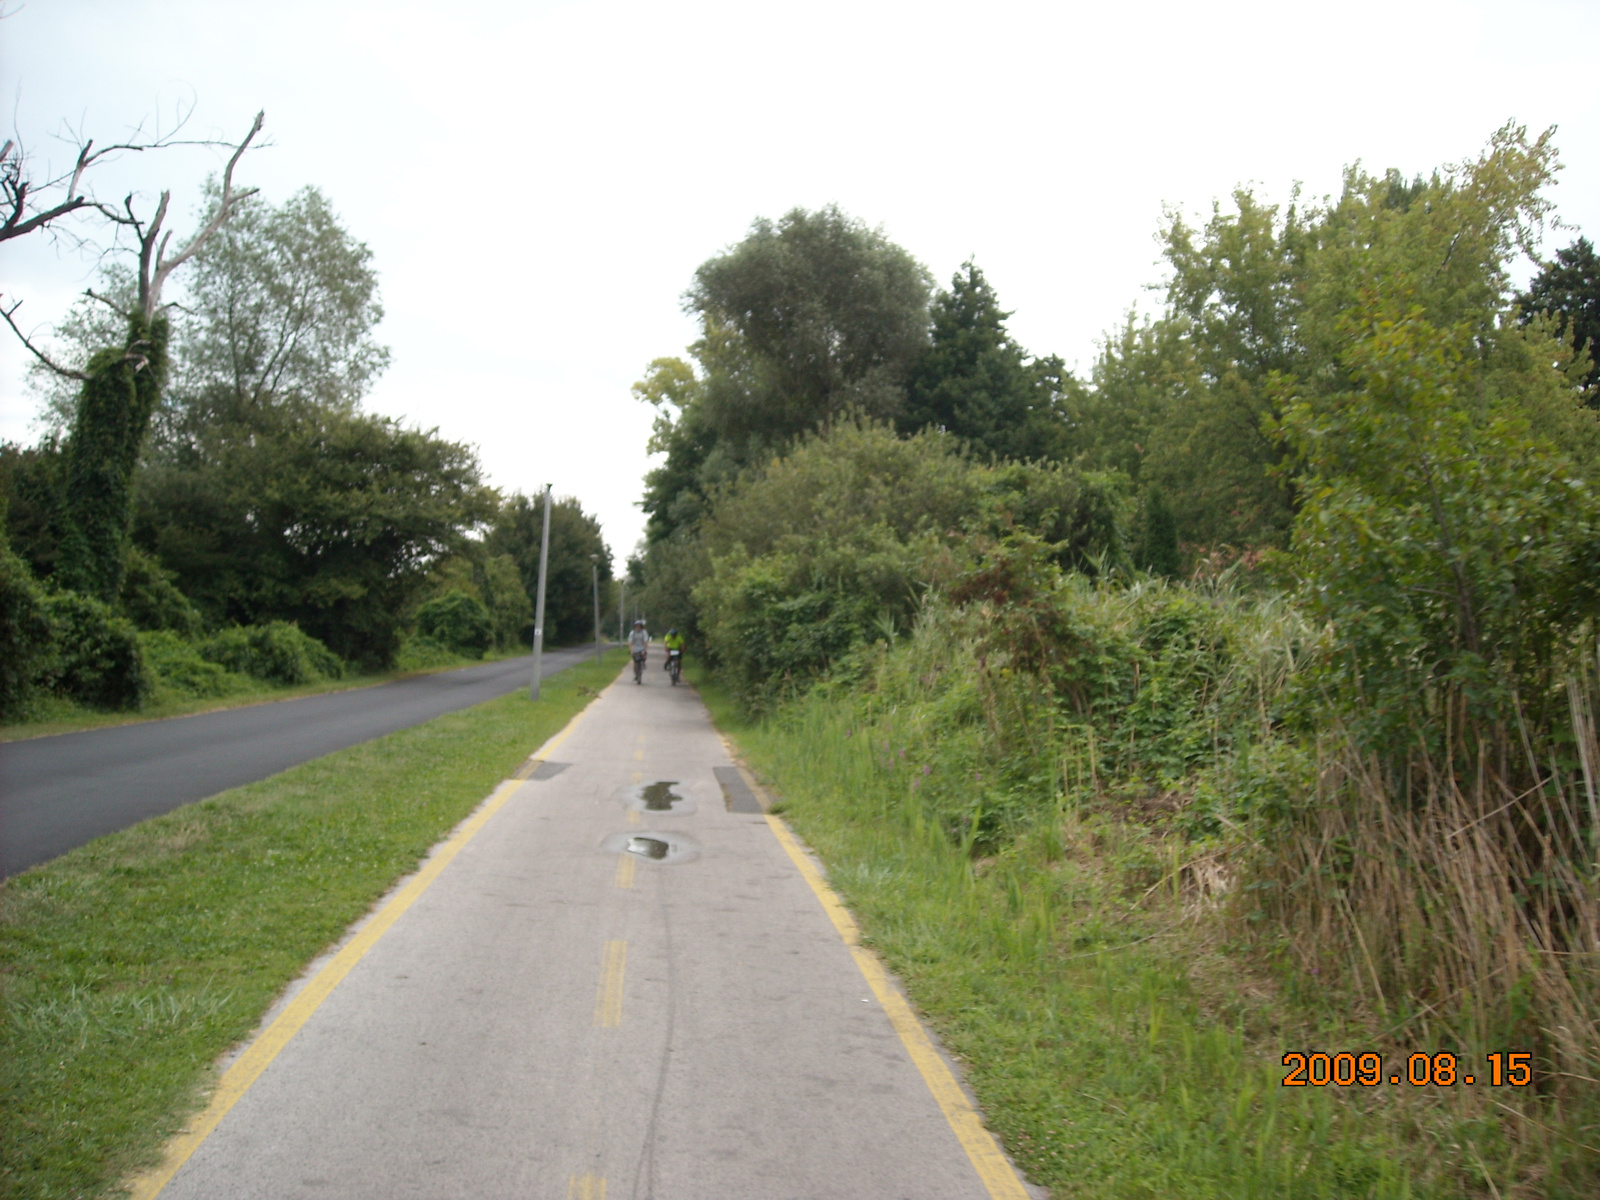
24	633
835	545
458	621
276	653
151	600
422	654
94	655
180	667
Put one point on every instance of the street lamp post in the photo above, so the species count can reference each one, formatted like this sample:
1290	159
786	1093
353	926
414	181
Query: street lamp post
538	607
594	569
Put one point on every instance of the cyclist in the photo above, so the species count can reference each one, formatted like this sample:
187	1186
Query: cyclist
673	644
639	646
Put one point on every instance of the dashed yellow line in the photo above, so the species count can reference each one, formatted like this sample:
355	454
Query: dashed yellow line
624	871
987	1158
586	1187
608	998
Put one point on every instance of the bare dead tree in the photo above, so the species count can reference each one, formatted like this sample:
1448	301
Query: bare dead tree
154	265
28	205
21	213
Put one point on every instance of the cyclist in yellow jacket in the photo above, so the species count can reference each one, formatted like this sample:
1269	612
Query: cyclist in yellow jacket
673	644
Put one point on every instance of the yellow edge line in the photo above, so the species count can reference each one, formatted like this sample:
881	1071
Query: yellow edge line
992	1166
247	1068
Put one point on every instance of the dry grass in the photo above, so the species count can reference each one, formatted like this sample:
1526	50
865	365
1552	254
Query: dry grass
1463	913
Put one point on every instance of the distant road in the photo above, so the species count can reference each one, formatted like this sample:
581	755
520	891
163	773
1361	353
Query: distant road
59	792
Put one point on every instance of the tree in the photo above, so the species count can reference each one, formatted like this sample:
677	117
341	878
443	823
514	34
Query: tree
1256	306
1450	550
279	310
1158	547
283	306
121	387
574	537
823	314
1569	288
493	580
977	384
333	522
808	318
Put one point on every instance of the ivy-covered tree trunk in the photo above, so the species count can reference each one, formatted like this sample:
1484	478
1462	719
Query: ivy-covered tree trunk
114	409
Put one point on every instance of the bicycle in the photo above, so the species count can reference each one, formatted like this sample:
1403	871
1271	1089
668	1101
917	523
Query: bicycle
638	666
674	665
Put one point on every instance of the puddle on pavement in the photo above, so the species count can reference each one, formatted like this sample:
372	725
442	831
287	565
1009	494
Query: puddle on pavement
665	848
661	796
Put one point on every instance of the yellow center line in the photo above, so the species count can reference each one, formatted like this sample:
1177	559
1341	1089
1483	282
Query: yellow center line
998	1176
633	816
638	755
624	870
586	1187
608	998
258	1055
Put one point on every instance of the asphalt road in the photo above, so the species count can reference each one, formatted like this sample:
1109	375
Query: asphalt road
59	792
558	1018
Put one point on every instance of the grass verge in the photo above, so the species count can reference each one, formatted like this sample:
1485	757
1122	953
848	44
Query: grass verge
129	965
1118	1045
51	715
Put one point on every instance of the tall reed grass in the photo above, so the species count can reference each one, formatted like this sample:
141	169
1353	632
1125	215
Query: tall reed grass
1460	909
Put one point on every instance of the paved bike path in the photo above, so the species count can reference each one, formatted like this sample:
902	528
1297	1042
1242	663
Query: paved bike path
59	792
556	1018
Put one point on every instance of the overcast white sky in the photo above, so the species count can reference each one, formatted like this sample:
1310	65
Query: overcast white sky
538	181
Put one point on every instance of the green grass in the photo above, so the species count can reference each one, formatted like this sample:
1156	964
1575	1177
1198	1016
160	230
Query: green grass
51	715
129	965
1117	1044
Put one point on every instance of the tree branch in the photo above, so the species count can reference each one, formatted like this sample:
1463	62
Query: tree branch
164	267
17	189
67	372
109	303
16	227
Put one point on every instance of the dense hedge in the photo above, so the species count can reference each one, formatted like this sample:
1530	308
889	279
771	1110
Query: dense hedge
94	655
458	621
24	633
275	653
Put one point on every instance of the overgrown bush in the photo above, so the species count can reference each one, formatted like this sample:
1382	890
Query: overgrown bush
492	580
457	620
275	653
94	656
836	544
180	667
151	600
24	633
423	654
